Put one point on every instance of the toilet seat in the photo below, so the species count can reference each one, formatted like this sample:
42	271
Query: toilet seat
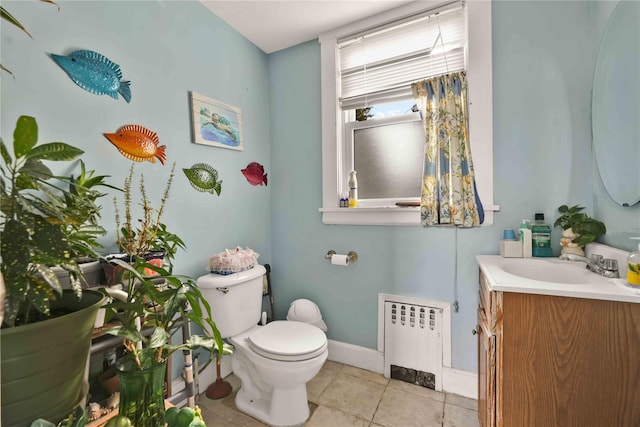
288	341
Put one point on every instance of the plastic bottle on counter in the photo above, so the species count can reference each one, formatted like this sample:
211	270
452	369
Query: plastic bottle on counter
633	267
525	238
353	189
541	237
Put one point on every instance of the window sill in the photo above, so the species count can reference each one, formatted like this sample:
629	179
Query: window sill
391	215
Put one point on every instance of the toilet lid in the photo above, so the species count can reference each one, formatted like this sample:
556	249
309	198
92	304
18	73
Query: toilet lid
288	341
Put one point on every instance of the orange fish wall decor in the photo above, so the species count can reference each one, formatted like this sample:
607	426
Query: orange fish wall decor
138	143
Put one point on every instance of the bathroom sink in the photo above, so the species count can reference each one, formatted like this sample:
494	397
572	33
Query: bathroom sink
553	276
552	271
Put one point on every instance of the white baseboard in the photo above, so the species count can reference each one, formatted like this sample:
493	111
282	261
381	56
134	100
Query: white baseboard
454	381
354	355
459	382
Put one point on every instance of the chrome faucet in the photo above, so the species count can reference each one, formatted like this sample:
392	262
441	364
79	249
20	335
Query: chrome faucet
606	267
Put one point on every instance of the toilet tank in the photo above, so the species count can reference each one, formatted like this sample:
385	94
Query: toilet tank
235	299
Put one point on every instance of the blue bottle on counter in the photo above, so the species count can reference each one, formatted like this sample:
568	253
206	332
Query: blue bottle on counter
541	237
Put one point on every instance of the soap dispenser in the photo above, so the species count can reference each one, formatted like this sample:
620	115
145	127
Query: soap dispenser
633	267
525	238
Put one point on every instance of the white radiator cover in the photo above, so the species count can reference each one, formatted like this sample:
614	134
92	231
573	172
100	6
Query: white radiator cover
415	335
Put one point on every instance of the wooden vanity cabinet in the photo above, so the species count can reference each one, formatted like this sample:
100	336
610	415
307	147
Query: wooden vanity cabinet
557	361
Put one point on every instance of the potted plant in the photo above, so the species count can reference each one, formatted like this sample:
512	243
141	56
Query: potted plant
578	229
150	239
149	309
46	331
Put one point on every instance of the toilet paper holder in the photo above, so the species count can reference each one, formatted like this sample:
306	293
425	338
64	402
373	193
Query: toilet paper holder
352	256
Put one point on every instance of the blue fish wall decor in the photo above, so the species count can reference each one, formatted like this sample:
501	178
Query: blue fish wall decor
94	73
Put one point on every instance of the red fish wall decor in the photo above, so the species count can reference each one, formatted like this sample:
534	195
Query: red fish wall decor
138	143
254	172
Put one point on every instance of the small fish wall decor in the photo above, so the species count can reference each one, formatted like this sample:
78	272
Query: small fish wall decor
204	178
94	73
138	143
254	172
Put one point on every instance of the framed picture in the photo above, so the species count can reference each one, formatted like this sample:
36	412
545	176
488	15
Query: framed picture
215	123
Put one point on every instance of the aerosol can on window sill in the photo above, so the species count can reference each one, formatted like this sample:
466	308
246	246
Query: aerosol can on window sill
353	190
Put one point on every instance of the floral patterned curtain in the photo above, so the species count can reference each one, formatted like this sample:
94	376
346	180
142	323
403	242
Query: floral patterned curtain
449	194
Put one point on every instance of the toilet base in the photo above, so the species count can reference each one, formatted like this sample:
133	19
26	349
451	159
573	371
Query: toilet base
273	391
287	407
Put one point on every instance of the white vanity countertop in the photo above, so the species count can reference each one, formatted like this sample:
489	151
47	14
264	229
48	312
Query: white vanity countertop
496	269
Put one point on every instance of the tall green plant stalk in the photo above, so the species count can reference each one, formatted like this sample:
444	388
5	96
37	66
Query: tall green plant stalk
139	241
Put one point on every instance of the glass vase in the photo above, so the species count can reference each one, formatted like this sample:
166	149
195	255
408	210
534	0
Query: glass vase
142	390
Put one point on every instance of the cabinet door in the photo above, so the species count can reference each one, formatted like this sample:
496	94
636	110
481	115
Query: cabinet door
486	373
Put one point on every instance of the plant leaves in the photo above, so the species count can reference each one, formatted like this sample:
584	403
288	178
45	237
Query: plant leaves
5	153
126	333
5	69
49	278
158	338
34	168
57	151
15	256
25	136
40	294
24	182
4	14
50	239
51	2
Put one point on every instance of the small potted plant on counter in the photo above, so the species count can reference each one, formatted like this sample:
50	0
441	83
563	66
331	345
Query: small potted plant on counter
578	229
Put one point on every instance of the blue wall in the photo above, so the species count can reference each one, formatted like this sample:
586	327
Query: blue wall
165	49
543	59
543	65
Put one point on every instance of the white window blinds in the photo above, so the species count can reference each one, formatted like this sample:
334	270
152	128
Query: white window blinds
379	65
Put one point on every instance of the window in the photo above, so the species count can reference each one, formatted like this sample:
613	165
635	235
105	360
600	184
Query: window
367	69
387	153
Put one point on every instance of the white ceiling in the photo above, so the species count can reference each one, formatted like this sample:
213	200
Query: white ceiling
273	25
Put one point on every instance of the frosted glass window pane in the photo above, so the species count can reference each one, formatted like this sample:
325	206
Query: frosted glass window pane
389	160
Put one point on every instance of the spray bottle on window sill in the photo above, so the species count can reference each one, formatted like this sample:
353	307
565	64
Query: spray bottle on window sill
353	189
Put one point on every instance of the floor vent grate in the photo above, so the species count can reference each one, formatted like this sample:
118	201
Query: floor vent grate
413	376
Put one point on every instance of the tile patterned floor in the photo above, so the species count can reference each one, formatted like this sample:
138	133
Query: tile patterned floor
344	396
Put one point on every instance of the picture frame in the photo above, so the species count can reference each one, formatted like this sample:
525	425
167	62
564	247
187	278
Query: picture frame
215	123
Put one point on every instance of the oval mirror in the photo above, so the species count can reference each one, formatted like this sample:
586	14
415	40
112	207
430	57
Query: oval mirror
615	105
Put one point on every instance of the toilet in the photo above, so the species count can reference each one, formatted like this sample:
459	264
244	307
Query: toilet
274	362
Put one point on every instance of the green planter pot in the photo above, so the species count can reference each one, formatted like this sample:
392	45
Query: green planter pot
142	390
43	364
